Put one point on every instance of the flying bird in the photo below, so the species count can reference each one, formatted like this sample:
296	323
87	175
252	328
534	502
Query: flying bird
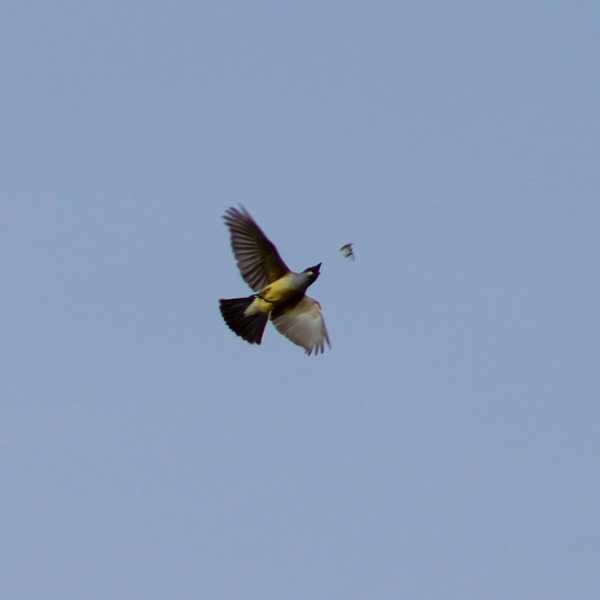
279	292
347	251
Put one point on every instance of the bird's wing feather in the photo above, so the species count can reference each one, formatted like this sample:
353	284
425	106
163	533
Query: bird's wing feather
302	323
256	256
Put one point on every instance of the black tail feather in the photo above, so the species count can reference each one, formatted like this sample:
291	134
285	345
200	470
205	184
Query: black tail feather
251	327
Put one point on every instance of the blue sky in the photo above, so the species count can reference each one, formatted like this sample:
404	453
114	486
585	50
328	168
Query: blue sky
447	446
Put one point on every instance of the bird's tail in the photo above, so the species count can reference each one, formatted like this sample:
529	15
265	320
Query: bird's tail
249	327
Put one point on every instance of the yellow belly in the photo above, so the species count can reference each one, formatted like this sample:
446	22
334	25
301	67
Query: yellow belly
281	290
275	293
258	306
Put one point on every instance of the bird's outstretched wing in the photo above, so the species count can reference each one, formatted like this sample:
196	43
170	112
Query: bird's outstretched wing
256	256
302	323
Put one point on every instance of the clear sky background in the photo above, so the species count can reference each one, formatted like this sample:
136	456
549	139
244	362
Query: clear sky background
447	447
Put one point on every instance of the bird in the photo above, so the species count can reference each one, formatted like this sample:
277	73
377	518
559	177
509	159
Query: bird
279	292
347	251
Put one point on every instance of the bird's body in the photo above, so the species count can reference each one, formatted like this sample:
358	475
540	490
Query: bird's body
280	292
287	287
283	290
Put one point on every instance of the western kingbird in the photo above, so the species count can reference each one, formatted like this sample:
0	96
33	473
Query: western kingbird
279	291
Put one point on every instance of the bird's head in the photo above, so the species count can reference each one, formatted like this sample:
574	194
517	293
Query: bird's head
313	271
